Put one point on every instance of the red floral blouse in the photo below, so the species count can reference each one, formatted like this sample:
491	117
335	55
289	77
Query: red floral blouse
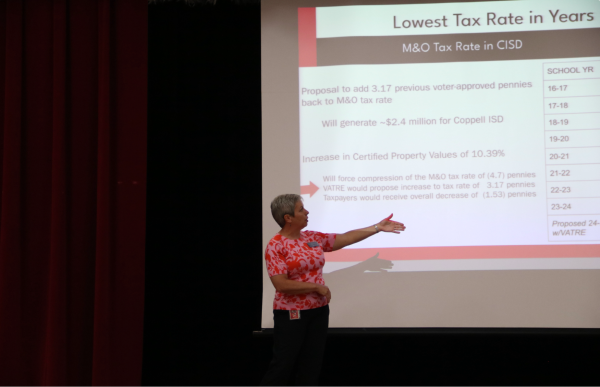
302	260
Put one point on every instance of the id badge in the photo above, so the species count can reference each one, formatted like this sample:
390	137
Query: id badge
294	315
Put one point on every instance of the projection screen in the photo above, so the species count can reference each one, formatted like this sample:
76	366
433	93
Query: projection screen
477	124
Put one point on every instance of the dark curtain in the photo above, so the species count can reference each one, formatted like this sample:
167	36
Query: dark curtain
204	255
72	191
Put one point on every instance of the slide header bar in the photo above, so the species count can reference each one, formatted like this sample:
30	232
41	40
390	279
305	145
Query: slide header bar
458	47
456	18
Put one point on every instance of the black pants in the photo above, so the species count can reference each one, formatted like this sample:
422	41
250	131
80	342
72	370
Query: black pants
298	347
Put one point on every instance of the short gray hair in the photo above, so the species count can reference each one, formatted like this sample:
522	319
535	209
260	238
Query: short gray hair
284	205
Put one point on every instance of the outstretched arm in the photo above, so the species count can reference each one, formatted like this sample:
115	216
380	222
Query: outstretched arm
351	237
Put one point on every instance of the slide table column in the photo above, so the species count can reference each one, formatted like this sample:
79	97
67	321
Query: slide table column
572	141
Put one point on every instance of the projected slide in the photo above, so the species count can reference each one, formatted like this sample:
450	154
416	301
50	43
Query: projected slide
477	124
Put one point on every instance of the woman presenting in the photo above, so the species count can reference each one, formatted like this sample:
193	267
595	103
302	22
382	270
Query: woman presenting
295	262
